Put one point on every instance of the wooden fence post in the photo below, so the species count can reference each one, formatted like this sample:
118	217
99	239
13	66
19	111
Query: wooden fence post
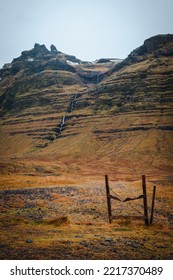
145	199
152	206
108	198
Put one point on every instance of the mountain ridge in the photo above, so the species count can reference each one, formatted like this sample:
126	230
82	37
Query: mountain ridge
88	119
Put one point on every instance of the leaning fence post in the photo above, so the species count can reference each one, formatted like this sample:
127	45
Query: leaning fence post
152	206
145	199
108	198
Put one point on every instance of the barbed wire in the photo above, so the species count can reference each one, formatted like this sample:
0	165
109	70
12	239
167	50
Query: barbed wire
134	208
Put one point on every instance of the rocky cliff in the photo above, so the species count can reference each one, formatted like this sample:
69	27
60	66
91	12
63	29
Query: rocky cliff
61	115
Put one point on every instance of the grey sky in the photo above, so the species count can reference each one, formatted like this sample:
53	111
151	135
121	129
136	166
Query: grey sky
88	29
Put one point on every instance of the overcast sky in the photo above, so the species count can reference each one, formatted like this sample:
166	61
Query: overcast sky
88	29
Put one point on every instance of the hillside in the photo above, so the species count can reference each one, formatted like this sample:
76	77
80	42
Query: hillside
66	119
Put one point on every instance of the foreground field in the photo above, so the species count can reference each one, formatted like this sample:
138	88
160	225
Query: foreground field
70	222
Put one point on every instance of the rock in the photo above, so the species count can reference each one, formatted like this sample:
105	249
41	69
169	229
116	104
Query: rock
156	41
108	239
103	60
84	244
53	48
29	241
153	44
36	45
36	52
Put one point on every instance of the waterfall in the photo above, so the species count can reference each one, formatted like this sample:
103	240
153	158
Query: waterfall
63	120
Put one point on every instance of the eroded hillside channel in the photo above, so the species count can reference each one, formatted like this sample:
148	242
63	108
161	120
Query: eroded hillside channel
65	117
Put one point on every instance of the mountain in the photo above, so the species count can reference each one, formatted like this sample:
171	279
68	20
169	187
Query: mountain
64	117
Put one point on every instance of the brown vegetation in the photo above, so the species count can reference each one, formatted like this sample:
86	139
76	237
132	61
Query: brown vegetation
71	222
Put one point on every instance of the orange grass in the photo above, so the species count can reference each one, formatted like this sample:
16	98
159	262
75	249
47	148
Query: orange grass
70	222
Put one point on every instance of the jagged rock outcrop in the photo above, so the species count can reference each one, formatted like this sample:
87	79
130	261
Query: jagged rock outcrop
37	69
36	60
157	46
37	52
53	48
30	74
157	42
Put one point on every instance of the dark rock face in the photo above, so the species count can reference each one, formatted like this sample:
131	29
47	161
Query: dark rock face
36	60
156	42
53	48
143	81
158	45
72	58
103	60
35	70
37	52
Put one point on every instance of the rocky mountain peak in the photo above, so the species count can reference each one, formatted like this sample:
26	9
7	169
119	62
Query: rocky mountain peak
36	60
156	46
53	48
157	41
36	52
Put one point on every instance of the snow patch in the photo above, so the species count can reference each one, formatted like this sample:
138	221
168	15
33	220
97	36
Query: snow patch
72	63
30	59
117	60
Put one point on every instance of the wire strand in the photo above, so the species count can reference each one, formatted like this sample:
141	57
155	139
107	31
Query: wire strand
126	202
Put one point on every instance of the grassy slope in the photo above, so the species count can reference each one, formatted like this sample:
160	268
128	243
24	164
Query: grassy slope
92	143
